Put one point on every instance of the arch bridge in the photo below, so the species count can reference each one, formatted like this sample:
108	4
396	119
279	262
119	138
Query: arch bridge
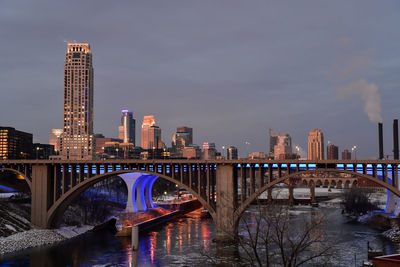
224	187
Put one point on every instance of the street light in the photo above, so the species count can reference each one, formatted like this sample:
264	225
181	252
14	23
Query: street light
298	151
354	148
223	152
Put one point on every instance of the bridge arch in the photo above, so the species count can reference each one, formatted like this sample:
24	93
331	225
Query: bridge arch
243	206
28	181
56	211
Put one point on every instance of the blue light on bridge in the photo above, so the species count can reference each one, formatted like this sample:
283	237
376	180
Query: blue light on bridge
312	166
274	165
302	166
265	165
340	166
7	188
284	165
256	166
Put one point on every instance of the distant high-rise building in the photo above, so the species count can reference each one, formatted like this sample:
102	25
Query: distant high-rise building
42	151
54	137
191	152
209	151
101	144
15	144
315	145
151	134
231	153
76	141
126	131
282	145
181	139
189	131
332	152
257	155
346	154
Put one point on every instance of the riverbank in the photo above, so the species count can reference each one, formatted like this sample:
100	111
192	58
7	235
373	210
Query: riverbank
29	239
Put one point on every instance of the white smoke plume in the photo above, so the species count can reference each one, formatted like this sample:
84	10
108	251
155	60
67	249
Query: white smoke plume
369	94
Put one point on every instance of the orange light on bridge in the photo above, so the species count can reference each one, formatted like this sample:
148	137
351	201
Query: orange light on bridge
20	177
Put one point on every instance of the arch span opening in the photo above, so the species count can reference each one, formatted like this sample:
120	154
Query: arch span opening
142	192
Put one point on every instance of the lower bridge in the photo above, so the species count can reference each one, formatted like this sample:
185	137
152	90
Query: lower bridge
224	187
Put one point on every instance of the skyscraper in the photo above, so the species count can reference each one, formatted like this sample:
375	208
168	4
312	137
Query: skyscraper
189	131
209	151
332	152
54	136
181	139
76	141
232	153
283	146
127	127
315	145
151	134
15	144
346	154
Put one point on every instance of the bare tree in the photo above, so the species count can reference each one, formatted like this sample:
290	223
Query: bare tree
357	200
270	238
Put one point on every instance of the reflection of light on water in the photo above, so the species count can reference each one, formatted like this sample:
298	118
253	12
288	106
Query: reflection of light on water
153	245
189	230
129	255
169	234
205	231
180	235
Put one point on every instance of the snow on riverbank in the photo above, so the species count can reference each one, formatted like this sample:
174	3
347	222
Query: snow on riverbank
28	239
72	231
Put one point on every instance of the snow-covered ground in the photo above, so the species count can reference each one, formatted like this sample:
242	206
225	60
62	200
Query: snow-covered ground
7	195
300	192
72	231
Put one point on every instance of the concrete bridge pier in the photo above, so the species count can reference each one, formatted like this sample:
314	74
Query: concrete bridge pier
312	193
139	191
291	197
41	194
390	203
226	220
130	180
269	194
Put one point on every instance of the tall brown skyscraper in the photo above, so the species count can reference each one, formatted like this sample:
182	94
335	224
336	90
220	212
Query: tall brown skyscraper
76	141
315	145
346	154
332	152
151	134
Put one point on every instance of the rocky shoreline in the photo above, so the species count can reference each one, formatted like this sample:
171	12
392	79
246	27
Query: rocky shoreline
28	239
393	234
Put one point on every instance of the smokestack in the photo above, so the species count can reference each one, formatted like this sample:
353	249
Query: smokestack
395	140
380	129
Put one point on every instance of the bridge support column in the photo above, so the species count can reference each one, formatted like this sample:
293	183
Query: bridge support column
291	197
130	179
269	194
42	194
226	221
312	193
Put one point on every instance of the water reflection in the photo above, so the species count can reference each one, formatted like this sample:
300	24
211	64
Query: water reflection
188	241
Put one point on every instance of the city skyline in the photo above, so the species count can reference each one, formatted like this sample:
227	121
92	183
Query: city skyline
237	73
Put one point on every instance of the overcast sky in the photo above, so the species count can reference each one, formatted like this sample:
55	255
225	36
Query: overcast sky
229	69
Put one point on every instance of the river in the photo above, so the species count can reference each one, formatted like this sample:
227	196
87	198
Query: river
189	242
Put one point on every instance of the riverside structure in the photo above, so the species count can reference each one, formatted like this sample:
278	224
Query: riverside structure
224	187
